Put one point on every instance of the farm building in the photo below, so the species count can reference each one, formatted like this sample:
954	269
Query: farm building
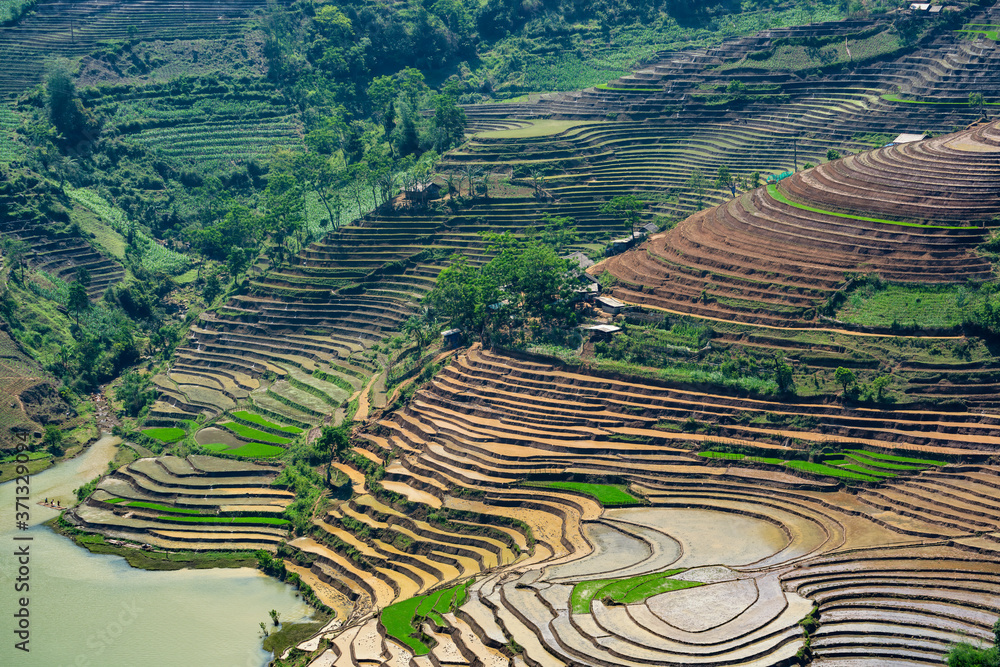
609	305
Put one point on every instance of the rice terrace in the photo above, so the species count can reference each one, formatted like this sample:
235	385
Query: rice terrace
545	334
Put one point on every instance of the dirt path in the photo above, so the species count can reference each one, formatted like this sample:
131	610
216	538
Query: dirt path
363	406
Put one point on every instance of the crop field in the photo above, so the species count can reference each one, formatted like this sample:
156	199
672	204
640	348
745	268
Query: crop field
155	257
736	419
167	435
940	308
606	494
625	591
10	149
254	434
398	619
261	421
251	450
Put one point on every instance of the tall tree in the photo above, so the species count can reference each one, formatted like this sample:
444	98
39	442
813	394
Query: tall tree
626	207
449	123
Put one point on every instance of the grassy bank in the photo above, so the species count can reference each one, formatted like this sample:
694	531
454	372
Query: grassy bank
154	560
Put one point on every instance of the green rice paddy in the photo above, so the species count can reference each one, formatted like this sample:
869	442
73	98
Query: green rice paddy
160	508
606	494
260	421
167	435
253	434
897	459
626	591
249	450
398	619
228	519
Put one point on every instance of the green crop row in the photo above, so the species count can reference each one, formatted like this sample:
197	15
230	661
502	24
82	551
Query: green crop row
165	434
625	591
897	459
772	189
254	434
260	421
251	450
229	519
606	494
160	508
398	619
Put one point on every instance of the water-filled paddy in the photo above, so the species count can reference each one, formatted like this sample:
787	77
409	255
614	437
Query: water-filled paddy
89	609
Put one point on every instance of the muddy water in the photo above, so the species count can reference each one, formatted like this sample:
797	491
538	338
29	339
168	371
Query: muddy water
91	610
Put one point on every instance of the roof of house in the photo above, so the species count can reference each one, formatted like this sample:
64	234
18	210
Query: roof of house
603	328
907	138
610	302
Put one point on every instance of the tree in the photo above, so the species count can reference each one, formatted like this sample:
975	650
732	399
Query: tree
626	207
416	327
696	184
832	155
83	276
449	123
844	377
783	376
16	252
977	101
263	628
879	386
212	288
336	440
238	261
78	300
274	616
726	180
53	439
135	392
67	113
964	654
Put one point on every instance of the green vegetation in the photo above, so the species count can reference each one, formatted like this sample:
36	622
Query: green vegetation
829	471
606	494
732	456
966	654
154	560
875	463
625	591
292	634
271	521
261	421
154	257
158	507
253	434
880	304
167	435
401	619
251	450
772	189
896	459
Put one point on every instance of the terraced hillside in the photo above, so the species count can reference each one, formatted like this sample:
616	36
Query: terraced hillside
909	213
616	518
896	571
63	29
195	504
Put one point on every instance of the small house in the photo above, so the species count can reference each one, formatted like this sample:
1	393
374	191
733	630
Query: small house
452	338
601	331
422	192
609	305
